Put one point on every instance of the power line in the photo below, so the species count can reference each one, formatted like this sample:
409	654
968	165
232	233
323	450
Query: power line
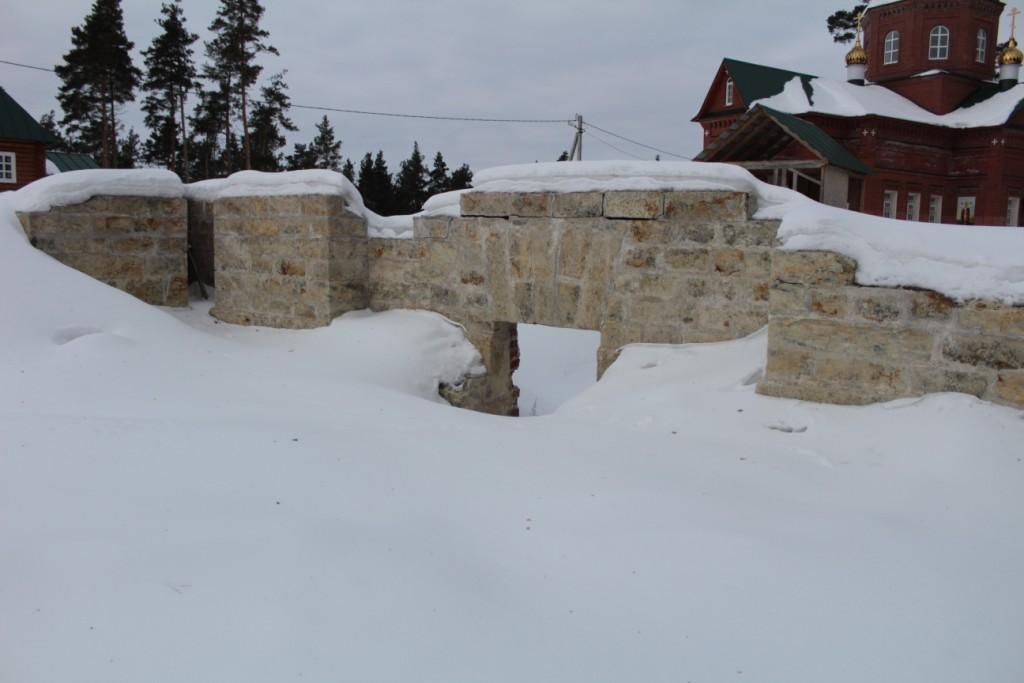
634	142
476	119
617	149
26	66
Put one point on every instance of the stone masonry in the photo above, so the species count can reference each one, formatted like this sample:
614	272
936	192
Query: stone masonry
293	262
137	244
832	341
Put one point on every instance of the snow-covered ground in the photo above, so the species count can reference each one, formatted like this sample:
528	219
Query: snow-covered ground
182	500
555	365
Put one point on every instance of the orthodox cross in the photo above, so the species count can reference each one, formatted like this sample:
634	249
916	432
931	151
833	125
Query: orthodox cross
1014	13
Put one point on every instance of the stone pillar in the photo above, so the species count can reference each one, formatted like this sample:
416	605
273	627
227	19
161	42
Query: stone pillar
291	262
494	392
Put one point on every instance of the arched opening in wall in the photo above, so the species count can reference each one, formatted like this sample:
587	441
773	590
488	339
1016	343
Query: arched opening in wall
555	365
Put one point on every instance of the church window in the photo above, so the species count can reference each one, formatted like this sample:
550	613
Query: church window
892	47
938	43
730	92
914	206
935	208
965	207
982	51
1013	212
8	167
889	199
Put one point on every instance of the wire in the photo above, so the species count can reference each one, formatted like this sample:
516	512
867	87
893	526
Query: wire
26	66
617	149
428	116
634	142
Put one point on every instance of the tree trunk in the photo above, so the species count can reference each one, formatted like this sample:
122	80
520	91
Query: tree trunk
104	134
113	131
245	130
184	137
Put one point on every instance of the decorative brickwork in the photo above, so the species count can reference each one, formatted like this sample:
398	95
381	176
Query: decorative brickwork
136	244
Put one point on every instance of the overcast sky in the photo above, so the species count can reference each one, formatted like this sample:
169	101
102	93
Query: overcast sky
640	68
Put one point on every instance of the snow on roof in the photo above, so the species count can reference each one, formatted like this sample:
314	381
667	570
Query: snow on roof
75	187
960	262
845	99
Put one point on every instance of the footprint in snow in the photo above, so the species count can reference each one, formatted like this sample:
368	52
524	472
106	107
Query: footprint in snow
66	335
787	429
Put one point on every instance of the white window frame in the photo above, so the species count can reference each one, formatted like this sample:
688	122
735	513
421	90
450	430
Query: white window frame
12	159
730	92
913	206
968	202
890	203
892	48
1013	212
935	208
938	44
981	54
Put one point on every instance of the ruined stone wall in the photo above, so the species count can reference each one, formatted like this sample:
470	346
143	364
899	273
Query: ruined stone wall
832	341
201	241
293	262
137	244
659	267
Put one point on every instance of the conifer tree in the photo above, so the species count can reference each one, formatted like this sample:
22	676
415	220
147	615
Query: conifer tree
843	24
349	171
411	183
439	180
269	120
96	77
375	184
325	147
170	76
130	152
207	123
462	178
564	156
238	41
301	158
49	122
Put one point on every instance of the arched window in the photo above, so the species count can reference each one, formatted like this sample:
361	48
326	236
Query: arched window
938	43
892	47
982	50
730	90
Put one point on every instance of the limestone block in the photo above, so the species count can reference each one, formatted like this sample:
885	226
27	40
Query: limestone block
1010	388
880	305
707	206
577	205
638	205
865	341
531	204
729	261
431	227
750	233
828	303
815	268
931	306
695	259
993	318
938	380
1000	353
859	380
496	204
787	362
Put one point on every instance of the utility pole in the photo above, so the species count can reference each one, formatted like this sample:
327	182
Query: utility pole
577	142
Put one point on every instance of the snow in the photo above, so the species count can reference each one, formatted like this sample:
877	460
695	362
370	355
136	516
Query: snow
555	365
187	500
845	99
76	187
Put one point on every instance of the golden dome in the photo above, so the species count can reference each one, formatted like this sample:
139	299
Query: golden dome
1012	54
858	55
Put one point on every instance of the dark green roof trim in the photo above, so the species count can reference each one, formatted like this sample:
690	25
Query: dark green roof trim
818	140
72	161
756	82
18	124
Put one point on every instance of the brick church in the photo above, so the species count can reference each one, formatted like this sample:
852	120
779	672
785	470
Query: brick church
928	126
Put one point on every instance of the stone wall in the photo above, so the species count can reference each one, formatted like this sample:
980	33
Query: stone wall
293	262
137	244
660	267
832	341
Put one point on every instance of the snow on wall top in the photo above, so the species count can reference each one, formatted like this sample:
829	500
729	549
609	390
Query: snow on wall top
845	99
959	262
76	187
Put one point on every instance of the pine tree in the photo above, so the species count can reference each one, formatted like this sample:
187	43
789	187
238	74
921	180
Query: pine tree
325	147
843	24
411	183
238	41
462	178
564	156
49	122
439	180
375	184
170	76
130	152
207	121
97	75
301	158
269	120
349	171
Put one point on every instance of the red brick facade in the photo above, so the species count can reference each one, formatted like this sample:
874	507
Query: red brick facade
30	162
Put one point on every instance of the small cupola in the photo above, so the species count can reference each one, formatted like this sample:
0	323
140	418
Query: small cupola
857	58
1009	65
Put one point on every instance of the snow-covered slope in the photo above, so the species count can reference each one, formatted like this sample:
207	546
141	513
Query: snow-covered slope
182	500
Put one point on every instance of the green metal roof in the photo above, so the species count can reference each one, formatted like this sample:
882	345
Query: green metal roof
756	82
71	161
820	141
18	124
